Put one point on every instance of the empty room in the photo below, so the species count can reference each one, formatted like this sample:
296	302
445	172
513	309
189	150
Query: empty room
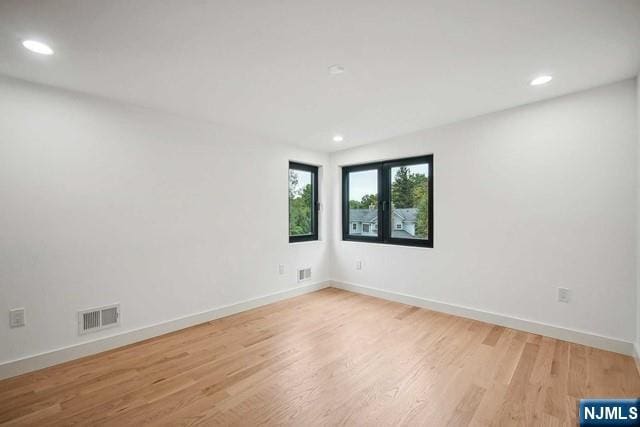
298	212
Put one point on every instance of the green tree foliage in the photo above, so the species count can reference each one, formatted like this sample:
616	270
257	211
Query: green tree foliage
409	190
368	201
402	189
300	207
422	197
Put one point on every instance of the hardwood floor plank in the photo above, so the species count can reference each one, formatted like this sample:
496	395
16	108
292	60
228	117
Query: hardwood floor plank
330	357
467	407
493	336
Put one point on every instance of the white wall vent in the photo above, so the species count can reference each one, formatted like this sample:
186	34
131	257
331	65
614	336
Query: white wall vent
97	319
304	274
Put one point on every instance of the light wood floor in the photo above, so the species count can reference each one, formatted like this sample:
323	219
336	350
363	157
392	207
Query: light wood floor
330	357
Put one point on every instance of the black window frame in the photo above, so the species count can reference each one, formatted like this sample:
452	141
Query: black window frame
384	202
316	205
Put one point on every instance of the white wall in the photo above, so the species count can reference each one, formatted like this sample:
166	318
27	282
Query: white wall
101	202
526	200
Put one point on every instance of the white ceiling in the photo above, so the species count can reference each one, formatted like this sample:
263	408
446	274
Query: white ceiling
262	64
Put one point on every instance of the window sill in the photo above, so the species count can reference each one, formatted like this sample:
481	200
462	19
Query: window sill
307	242
388	245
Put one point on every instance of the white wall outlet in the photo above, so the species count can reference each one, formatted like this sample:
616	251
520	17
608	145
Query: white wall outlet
358	265
281	269
16	318
564	295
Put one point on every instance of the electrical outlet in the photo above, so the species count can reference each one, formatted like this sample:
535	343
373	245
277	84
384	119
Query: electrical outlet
564	295
280	269
358	265
16	317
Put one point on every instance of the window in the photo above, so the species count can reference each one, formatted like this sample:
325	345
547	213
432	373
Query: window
303	202
362	199
396	194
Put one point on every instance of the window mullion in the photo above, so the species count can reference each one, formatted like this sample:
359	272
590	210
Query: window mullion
385	206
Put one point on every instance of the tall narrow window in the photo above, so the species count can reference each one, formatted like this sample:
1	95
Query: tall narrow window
362	194
396	194
303	202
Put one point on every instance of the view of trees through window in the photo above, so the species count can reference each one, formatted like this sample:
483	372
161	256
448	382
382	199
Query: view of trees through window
403	193
301	203
409	201
363	202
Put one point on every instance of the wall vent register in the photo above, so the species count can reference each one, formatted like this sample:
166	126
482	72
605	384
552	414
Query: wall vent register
304	274
97	319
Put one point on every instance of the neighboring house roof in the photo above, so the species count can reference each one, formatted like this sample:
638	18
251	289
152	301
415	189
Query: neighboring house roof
363	215
408	214
371	215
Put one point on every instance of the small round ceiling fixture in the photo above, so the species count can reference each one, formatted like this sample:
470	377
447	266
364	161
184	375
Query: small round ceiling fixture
541	80
37	47
338	138
336	69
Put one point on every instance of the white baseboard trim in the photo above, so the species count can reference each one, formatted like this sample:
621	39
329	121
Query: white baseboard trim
558	332
38	361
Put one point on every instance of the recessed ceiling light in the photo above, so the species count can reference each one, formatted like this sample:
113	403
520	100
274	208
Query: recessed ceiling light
336	69
338	138
541	80
37	47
